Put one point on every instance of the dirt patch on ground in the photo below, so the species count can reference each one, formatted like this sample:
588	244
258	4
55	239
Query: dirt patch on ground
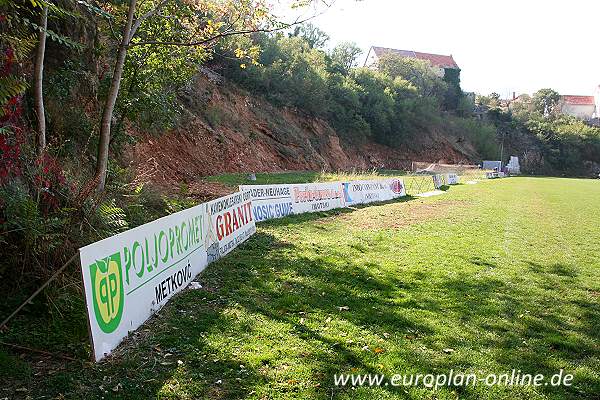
398	215
204	190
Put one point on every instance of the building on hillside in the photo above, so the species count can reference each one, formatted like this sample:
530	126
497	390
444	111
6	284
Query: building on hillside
439	62
583	107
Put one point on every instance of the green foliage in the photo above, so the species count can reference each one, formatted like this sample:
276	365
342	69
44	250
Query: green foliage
214	115
153	75
11	86
29	235
344	56
13	368
418	72
454	94
545	101
360	103
561	144
312	35
71	128
566	141
481	134
465	106
111	219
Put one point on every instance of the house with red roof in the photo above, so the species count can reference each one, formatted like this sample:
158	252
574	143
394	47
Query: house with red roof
583	107
440	62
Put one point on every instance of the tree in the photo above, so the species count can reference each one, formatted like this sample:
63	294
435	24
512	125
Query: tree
20	42
200	24
418	72
38	78
545	101
315	37
454	93
344	56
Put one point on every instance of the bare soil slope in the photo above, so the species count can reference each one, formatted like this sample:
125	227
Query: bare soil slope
225	129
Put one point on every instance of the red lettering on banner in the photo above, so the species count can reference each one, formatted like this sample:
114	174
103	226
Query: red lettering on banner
233	220
236	224
228	230
248	207
241	216
220	227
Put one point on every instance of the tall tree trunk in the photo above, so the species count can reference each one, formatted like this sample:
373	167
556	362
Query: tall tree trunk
39	76
111	99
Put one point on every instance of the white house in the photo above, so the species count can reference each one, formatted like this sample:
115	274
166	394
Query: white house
439	62
583	107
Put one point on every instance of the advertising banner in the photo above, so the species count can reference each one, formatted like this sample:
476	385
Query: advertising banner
270	201
437	181
231	222
451	179
130	276
276	201
313	197
363	192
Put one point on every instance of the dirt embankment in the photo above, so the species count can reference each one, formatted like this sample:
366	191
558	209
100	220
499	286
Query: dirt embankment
225	129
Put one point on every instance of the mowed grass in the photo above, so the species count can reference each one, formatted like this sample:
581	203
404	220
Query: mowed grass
486	278
235	179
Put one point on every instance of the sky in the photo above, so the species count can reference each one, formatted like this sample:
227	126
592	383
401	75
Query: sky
501	46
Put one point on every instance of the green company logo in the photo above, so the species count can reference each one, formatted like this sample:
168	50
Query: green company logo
107	290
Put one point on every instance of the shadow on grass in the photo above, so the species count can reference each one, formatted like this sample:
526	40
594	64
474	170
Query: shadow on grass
267	306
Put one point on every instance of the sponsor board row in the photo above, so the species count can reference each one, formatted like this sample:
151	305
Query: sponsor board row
130	276
277	201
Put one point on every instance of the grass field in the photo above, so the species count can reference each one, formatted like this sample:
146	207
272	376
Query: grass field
486	278
414	183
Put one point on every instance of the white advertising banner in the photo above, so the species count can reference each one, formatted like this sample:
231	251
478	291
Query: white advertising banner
313	197
130	276
276	201
437	181
231	223
452	179
363	192
270	201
